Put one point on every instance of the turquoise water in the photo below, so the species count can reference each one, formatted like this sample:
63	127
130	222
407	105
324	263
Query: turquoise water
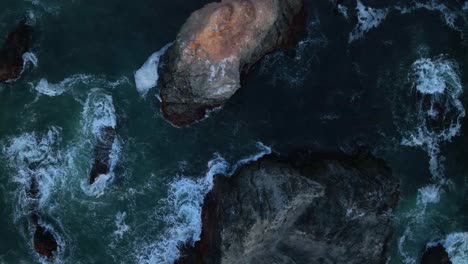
331	96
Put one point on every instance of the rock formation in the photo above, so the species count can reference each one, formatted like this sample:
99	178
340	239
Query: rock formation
102	152
45	243
303	209
18	42
216	45
436	255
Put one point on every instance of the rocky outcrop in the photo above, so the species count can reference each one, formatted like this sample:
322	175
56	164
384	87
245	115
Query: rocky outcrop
18	42
102	153
45	243
215	46
304	209
44	240
436	254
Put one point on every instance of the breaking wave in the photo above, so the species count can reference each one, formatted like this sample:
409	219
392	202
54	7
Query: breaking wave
37	165
29	59
99	114
31	156
185	201
368	18
147	76
435	119
439	111
44	87
456	245
50	89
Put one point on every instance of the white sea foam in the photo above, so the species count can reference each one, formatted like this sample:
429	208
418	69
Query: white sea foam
263	150
185	200
44	87
435	120
430	75
70	83
60	242
99	113
428	194
456	245
33	156
402	242
122	228
31	18
437	81
449	16
147	76
30	58
368	18
50	89
343	11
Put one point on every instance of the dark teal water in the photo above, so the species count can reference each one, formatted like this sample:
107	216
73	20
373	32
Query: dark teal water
331	95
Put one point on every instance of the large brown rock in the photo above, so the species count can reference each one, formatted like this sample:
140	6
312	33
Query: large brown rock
301	210
215	46
17	42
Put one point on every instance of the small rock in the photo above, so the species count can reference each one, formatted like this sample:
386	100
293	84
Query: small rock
17	42
45	243
102	152
436	255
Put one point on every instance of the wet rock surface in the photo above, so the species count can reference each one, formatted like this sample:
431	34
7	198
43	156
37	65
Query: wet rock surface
45	243
102	152
436	255
216	45
44	240
17	42
306	208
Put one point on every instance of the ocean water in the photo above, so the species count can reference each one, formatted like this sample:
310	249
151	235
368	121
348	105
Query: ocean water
389	79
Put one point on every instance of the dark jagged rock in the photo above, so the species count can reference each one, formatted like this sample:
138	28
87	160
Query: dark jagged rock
102	152
33	191
436	255
216	45
304	209
17	42
45	243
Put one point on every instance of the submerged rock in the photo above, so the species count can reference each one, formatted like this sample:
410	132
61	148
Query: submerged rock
17	42
304	209
215	46
102	153
44	241
436	255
